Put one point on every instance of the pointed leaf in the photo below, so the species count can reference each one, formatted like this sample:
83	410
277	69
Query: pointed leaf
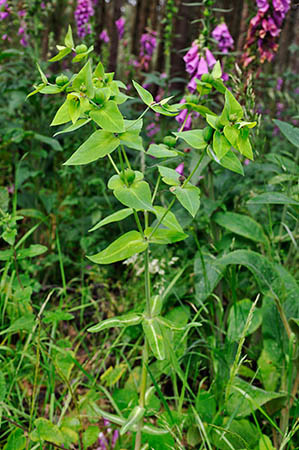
132	139
169	176
217	71
126	320
275	198
169	221
98	145
137	195
237	318
160	151
156	304
62	115
164	236
231	133
69	42
109	117
230	161
290	132
84	78
64	52
145	96
241	224
220	145
115	217
153	333
80	123
189	197
195	138
124	247
43	76
46	431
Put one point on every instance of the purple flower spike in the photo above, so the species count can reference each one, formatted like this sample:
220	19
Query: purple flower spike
103	443
180	169
83	12
211	61
191	54
104	36
222	35
120	25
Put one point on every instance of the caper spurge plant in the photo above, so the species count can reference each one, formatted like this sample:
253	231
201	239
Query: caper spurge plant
93	96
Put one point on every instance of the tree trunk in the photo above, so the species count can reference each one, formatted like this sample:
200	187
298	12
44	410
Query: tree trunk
116	13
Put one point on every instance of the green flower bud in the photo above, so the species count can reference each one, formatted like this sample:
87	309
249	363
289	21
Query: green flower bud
99	96
170	141
128	176
82	48
61	80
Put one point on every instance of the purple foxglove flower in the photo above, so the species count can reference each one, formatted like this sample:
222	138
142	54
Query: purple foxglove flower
148	43
43	5
104	36
120	25
222	35
115	437
281	5
180	169
103	443
201	69
211	61
191	54
191	65
24	42
272	28
22	13
262	5
83	12
3	15
182	116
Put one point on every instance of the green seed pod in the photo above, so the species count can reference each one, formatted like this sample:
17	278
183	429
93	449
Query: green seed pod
61	80
130	175
82	48
170	141
99	96
208	133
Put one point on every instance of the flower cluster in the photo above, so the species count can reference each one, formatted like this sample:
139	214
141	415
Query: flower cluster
83	12
222	35
104	36
4	9
120	25
265	27
148	43
109	440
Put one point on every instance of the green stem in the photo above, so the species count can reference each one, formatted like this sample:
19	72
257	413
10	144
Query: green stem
143	383
156	188
113	164
126	157
139	118
138	221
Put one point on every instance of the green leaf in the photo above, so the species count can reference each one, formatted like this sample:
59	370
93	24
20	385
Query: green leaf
69	42
220	144
134	418
265	443
4	199
115	217
230	161
213	121
62	115
145	96
74	107
245	398
208	272
205	405
237	318
32	251
109	117
80	123
244	145
64	52
52	89
56	316
99	71
156	304
16	440
126	320
98	145
275	198
169	221
264	272
153	333
2	387
137	195
161	151
217	71
189	198
24	323
65	363
90	435
83	55
46	431
84	78
241	224
163	236
232	134
169	176
131	139
232	110
39	88
235	435
43	76
289	131
195	138
124	247
269	372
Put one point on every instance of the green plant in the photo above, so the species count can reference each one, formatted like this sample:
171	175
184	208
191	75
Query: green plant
93	97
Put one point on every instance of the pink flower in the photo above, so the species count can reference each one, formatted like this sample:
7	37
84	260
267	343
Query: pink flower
262	5
211	61
83	12
201	69
104	36
222	35
120	25
180	169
